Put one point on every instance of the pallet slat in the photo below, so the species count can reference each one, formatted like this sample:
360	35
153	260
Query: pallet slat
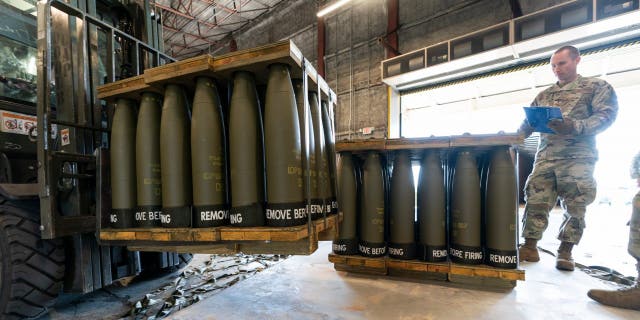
179	71
479	140
130	88
299	247
222	67
220	233
413	268
486	271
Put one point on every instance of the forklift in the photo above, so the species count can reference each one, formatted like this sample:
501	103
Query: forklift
54	144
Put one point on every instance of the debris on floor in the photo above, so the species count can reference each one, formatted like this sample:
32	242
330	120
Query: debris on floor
600	272
199	282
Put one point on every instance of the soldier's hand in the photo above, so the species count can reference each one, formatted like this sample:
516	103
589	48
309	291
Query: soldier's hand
564	126
525	130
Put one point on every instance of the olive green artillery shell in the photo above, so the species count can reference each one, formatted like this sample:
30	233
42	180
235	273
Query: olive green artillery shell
123	164
316	202
432	209
466	246
402	213
148	174
175	159
329	142
322	166
208	163
246	153
371	237
347	241
283	152
501	214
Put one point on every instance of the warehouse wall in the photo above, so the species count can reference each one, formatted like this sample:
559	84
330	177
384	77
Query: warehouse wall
353	53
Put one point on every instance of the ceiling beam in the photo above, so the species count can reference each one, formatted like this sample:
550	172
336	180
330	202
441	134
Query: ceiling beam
184	15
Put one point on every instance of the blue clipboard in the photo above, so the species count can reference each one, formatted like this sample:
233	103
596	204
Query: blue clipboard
539	116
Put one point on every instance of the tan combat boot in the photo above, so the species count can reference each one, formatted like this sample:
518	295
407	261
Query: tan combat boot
529	250
628	298
564	260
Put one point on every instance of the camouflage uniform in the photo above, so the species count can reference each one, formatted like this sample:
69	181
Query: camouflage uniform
564	163
628	297
634	232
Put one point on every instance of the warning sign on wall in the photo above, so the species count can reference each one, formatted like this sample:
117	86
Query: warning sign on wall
13	122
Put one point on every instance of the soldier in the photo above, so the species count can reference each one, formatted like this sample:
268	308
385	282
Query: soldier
565	160
629	297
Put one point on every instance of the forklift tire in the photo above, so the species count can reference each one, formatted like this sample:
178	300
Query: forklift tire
31	269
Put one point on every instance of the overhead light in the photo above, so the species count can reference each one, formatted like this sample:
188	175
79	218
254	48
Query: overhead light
335	5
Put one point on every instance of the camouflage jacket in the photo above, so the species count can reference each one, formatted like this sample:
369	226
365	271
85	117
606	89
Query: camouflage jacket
591	103
635	167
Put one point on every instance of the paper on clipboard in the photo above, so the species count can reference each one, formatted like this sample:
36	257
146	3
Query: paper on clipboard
539	116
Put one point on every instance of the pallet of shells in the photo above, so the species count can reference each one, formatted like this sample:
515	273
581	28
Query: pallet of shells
436	208
209	154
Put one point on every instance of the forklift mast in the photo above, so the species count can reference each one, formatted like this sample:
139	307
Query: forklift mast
77	52
54	137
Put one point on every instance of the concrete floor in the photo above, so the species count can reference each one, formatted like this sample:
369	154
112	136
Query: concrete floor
308	287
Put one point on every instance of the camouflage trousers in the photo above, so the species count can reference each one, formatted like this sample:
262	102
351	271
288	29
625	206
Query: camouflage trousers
571	180
634	232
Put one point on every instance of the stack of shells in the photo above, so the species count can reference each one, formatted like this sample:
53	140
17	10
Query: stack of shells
463	209
176	166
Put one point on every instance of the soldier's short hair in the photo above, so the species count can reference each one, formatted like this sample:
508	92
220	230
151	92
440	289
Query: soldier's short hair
573	51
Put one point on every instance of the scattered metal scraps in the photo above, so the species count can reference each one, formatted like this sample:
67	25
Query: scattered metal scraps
600	272
607	274
196	283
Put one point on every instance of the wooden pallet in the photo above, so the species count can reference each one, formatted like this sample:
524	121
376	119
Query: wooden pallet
305	246
485	276
183	71
480	275
130	88
208	240
480	140
222	67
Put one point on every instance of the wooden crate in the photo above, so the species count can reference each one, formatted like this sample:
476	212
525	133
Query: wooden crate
480	275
